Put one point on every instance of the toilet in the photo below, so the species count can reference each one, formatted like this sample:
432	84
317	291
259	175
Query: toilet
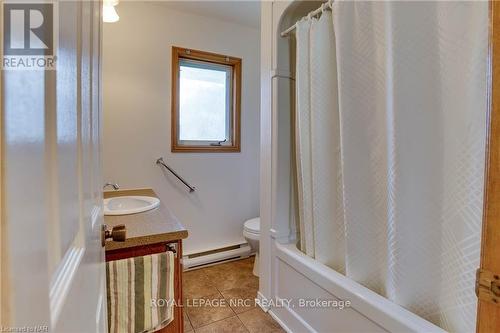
251	232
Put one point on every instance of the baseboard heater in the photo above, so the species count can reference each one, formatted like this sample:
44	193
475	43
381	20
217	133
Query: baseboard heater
216	256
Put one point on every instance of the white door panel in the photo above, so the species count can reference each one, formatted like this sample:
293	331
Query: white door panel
25	212
52	183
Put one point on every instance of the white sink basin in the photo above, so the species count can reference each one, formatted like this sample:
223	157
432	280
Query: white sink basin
129	205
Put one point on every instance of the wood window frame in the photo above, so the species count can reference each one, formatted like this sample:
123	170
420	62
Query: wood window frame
179	53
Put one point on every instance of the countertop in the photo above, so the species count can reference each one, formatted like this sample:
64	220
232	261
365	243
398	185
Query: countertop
154	226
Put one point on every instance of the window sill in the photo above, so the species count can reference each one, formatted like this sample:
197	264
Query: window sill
206	149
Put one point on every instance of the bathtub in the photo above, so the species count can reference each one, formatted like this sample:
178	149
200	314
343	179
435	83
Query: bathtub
298	276
285	272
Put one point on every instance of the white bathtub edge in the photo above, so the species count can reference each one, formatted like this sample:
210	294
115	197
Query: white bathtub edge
378	309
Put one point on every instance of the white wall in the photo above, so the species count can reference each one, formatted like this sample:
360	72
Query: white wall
136	104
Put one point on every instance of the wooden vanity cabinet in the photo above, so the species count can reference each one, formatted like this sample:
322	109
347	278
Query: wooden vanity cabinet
177	325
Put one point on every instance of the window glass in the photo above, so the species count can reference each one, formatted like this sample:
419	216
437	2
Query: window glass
204	101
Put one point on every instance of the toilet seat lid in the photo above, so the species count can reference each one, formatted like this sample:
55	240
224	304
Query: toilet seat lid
252	225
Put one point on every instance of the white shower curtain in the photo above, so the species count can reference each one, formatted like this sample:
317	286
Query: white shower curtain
318	144
390	137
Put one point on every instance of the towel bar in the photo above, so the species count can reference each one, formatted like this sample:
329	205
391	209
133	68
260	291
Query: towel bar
161	162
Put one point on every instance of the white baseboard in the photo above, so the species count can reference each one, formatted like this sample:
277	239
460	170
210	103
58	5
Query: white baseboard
262	300
279	321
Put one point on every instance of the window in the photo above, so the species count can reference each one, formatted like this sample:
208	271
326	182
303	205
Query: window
206	90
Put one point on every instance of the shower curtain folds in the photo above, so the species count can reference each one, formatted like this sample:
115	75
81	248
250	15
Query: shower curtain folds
389	139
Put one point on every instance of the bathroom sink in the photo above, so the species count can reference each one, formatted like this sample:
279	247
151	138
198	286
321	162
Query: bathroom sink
129	205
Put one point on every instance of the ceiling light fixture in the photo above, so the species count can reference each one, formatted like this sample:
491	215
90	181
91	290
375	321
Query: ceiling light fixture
109	14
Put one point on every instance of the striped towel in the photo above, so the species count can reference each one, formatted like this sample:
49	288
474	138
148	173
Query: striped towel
140	293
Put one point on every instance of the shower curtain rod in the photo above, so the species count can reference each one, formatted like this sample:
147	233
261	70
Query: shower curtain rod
325	6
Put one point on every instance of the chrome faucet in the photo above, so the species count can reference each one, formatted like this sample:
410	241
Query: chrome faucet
115	187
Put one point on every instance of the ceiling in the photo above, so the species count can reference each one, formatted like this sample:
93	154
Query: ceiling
244	12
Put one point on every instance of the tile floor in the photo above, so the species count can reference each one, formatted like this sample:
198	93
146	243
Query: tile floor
220	284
